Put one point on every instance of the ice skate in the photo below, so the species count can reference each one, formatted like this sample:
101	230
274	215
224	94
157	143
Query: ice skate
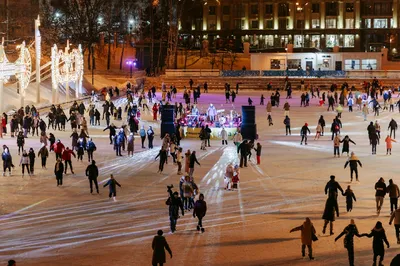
198	228
203	230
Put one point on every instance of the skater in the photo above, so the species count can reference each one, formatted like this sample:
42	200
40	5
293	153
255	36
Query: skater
335	128
175	204
58	148
349	194
32	157
235	177
113	131
163	159
43	154
379	236
130	146
393	127
158	245
258	152
66	156
377	129
286	122
393	190
336	145
25	163
150	137
365	111
303	133
92	172
396	217
188	193
286	107
346	144
142	133
332	187
331	207
112	185
192	161
90	148
244	152
371	131
224	136
20	142
59	171
353	161
229	171
200	210
374	142
389	141
318	131
179	158
380	188
270	123
307	237
349	232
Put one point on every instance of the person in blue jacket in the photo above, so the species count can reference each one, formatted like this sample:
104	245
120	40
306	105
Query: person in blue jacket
112	185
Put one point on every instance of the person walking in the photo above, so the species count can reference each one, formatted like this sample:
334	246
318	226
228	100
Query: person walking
66	156
286	122
92	172
200	210
192	161
159	245
331	207
43	154
393	127
175	204
142	133
188	193
303	133
393	190
130	146
32	157
25	163
321	121
389	141
224	136
380	188
112	187
379	237
90	148
349	232
59	171
307	237
395	216
353	161
349	194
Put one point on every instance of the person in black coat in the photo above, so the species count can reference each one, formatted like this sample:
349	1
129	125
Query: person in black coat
349	231
379	236
192	161
159	245
59	171
346	144
92	172
349	194
321	121
331	207
286	122
163	159
175	204
332	187
303	132
200	210
374	141
353	161
113	130
371	130
244	151
380	188
393	127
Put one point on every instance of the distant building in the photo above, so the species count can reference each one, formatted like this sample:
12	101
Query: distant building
354	25
17	19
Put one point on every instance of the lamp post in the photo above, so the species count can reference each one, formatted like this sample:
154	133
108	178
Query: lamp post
131	64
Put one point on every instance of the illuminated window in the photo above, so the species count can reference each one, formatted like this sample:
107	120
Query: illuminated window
332	40
380	23
330	23
349	23
348	40
315	23
315	41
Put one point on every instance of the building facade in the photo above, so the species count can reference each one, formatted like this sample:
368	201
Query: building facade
354	25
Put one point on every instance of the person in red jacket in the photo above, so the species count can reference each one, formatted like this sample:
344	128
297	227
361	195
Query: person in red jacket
66	156
58	148
200	209
155	111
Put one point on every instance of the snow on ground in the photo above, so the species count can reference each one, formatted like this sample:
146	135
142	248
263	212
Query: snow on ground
43	224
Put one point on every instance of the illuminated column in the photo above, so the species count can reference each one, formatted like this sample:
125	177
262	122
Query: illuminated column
205	14
276	19
54	83
357	17
67	66
38	40
292	13
261	15
307	15
218	17
395	14
341	16
322	12
246	16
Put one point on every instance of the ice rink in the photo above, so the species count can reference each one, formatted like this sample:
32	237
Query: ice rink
43	224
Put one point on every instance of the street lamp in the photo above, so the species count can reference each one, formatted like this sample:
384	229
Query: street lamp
131	64
131	25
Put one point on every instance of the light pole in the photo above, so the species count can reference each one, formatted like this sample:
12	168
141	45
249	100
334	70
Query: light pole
131	64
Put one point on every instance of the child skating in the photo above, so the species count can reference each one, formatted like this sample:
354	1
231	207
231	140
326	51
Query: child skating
112	184
349	194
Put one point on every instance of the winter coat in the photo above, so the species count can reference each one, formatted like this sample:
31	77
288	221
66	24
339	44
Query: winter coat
392	124
43	152
24	159
131	139
92	172
331	207
379	236
237	138
224	134
353	161
20	140
286	121
159	244
332	186
187	189
112	185
336	141
393	191
374	139
350	231
200	208
244	149
396	217
74	137
349	194
380	188
389	141
59	169
58	147
304	130
192	160
66	156
346	146
307	230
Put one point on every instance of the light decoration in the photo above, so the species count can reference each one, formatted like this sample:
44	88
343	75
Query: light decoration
21	69
66	67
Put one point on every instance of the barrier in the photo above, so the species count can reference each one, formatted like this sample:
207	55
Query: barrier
190	132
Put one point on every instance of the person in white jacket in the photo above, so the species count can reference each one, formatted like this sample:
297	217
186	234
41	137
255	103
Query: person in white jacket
24	162
224	136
